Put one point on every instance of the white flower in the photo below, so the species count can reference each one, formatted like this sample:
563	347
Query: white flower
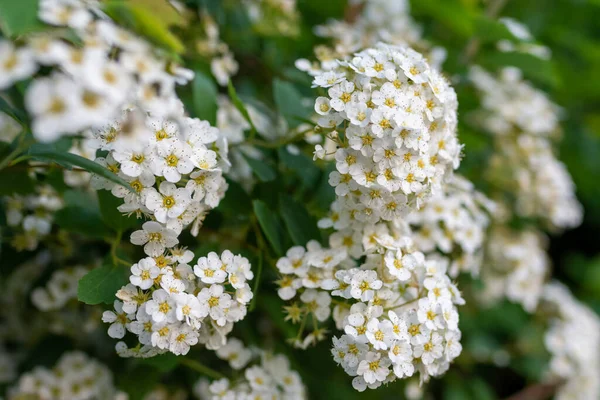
173	159
15	64
118	320
373	367
189	309
170	203
216	302
182	338
161	307
364	284
144	273
380	333
155	238
210	269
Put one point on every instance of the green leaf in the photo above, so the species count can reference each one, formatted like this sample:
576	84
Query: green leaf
289	102
491	30
49	154
81	215
534	68
299	223
143	21
101	284
451	13
269	222
303	165
19	17
111	216
261	169
14	113
204	93
15	180
235	99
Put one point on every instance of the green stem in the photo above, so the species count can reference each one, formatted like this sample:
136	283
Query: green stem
20	145
203	369
113	247
257	281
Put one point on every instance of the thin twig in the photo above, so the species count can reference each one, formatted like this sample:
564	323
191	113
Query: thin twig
492	11
203	369
539	391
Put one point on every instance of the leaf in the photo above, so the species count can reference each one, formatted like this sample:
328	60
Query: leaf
15	181
81	215
533	67
111	215
270	225
289	102
261	169
48	154
455	16
204	93
299	223
19	17
491	30
240	105
304	166
101	284
14	113
143	21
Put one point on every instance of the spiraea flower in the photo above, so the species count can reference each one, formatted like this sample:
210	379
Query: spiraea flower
516	266
262	375
454	222
75	375
576	362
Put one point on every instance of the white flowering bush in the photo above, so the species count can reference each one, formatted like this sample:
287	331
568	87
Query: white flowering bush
293	200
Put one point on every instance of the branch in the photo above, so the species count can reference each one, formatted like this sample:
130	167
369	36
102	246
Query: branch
539	391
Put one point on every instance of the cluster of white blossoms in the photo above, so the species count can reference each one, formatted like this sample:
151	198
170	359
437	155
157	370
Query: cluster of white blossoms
110	71
272	378
222	64
517	266
274	17
512	105
393	119
171	305
74	377
573	341
397	145
368	23
454	222
60	289
31	216
523	120
542	185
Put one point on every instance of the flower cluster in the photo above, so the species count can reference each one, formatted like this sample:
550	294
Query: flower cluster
175	170
373	21
222	64
75	376
170	306
510	104
576	362
111	71
541	183
31	216
454	221
523	119
60	289
398	139
272	378
516	266
397	145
